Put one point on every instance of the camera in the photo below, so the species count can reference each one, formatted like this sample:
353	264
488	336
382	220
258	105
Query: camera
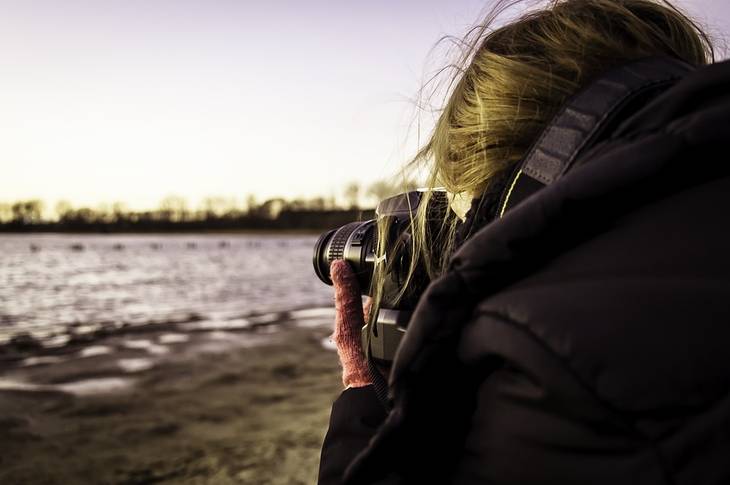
380	252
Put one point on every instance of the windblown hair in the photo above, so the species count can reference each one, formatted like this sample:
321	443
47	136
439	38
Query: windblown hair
509	82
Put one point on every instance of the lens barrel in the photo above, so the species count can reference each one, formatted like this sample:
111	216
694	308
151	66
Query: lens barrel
353	242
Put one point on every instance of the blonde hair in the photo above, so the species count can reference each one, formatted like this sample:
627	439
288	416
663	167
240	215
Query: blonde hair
510	81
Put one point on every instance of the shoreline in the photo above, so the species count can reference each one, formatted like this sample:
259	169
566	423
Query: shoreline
24	344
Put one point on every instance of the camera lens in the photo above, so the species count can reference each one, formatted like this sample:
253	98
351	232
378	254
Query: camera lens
353	242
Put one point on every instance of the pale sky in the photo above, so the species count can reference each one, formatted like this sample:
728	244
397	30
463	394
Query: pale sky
134	100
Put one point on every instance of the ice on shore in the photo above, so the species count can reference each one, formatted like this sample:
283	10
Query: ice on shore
57	341
135	364
313	317
173	338
42	360
148	345
11	385
234	324
95	350
101	385
84	387
312	313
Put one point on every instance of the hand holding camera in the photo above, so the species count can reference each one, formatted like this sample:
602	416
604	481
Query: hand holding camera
350	318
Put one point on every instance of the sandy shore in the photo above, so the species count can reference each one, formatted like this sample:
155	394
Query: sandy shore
165	404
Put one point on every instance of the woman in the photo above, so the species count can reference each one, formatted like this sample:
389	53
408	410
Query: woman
577	332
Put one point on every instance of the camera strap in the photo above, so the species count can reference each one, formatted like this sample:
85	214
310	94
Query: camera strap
587	117
380	385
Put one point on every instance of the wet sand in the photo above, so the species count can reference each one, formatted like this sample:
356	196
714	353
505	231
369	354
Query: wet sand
163	405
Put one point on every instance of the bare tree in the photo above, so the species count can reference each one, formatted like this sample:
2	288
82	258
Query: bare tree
271	208
104	213
317	203
27	211
381	189
174	208
331	202
120	211
251	204
218	206
63	209
352	195
6	212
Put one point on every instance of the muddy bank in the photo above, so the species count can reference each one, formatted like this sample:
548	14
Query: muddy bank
210	406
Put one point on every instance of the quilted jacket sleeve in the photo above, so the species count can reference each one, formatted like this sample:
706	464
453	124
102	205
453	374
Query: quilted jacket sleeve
356	415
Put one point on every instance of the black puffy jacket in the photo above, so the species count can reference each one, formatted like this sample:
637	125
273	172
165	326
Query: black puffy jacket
583	337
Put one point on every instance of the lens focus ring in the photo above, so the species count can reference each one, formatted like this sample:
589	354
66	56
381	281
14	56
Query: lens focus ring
339	241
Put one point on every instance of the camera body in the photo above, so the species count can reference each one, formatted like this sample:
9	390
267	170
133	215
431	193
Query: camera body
389	261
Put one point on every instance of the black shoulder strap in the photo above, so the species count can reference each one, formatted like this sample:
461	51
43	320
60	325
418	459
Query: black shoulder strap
583	119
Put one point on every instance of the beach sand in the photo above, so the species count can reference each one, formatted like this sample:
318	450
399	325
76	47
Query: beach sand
161	405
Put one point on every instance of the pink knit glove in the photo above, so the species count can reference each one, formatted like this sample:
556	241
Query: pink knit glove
350	317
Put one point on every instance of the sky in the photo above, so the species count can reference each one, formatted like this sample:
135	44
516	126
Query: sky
135	100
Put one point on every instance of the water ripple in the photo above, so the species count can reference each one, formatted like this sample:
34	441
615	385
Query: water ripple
55	293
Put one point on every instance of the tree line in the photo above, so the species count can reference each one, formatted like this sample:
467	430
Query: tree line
174	213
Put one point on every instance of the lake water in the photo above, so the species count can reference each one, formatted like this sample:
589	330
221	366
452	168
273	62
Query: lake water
55	286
